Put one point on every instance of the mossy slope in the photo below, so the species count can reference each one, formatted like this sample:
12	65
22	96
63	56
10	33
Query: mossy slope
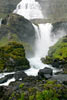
12	57
57	54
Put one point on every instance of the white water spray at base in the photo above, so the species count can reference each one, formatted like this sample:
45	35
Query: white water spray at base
42	44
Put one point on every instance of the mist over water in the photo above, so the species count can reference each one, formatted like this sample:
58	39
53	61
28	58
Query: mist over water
42	43
31	9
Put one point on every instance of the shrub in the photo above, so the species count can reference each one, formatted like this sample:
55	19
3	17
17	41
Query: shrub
21	85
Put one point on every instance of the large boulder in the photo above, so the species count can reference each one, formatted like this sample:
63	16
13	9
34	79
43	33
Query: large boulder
20	75
45	73
12	57
17	28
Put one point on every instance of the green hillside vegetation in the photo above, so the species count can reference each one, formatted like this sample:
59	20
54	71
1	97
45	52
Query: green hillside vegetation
57	54
51	90
59	50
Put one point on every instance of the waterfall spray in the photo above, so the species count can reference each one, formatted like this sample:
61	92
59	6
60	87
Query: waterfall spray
31	9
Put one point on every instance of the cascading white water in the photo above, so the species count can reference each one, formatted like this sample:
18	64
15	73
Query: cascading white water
42	44
30	9
44	41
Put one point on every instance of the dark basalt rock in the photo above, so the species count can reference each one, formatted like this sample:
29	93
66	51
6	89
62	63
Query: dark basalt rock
1	91
45	73
6	78
20	75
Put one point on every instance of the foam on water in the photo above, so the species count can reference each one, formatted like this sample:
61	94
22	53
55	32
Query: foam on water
42	43
8	82
30	9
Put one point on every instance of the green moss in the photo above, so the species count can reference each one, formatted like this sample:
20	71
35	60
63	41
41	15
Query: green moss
59	50
8	38
31	97
22	96
2	63
12	57
46	95
57	54
21	85
51	90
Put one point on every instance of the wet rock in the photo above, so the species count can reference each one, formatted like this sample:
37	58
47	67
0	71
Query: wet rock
6	78
1	91
20	75
45	73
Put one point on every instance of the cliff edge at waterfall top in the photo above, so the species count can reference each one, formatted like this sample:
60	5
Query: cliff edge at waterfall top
30	9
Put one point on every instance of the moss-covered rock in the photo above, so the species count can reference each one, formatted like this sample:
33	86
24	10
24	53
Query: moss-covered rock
51	90
57	55
12	57
17	28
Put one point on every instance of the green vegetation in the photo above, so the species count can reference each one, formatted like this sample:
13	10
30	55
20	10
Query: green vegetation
21	85
59	50
22	97
31	97
8	38
12	57
57	54
46	95
51	90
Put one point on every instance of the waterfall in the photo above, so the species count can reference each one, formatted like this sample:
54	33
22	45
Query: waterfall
42	43
30	9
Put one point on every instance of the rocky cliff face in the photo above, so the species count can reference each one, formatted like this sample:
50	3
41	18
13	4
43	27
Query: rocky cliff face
54	8
7	6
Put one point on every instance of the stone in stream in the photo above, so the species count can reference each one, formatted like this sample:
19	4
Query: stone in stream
45	73
6	78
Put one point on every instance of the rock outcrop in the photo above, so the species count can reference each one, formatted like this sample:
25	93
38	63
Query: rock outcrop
45	73
12	57
17	28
